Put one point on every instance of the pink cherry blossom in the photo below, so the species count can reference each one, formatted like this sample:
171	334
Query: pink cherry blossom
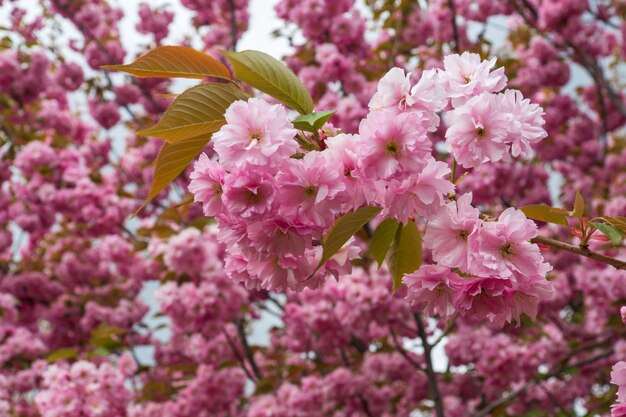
249	194
392	91
526	122
207	181
256	133
391	143
418	194
618	377
466	76
433	288
478	131
448	232
309	190
503	249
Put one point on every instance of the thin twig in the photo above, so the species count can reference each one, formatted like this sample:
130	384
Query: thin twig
238	355
616	263
246	348
403	351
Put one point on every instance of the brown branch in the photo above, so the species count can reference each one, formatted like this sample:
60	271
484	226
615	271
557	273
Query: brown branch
246	348
616	263
455	29
233	25
403	351
433	387
237	354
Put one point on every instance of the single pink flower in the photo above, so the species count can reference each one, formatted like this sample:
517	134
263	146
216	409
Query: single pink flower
392	91
485	298
392	143
465	76
256	133
309	190
418	194
207	181
502	248
478	131
248	194
525	125
433	288
448	232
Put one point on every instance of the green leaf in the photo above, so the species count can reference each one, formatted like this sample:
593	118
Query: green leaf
313	122
617	221
544	213
272	77
579	205
174	62
382	239
344	228
197	111
61	354
610	231
405	254
171	161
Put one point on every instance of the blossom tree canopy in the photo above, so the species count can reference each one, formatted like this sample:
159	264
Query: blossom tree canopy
420	210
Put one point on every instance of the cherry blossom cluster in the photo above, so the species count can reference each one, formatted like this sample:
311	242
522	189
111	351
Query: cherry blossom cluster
86	389
500	273
273	207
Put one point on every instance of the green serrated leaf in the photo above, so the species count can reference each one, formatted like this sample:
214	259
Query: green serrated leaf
272	77
544	213
313	122
382	239
610	231
405	254
61	354
344	228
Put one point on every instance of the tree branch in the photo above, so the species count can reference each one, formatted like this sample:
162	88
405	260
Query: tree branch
616	263
455	29
433	387
246	348
237	354
233	25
